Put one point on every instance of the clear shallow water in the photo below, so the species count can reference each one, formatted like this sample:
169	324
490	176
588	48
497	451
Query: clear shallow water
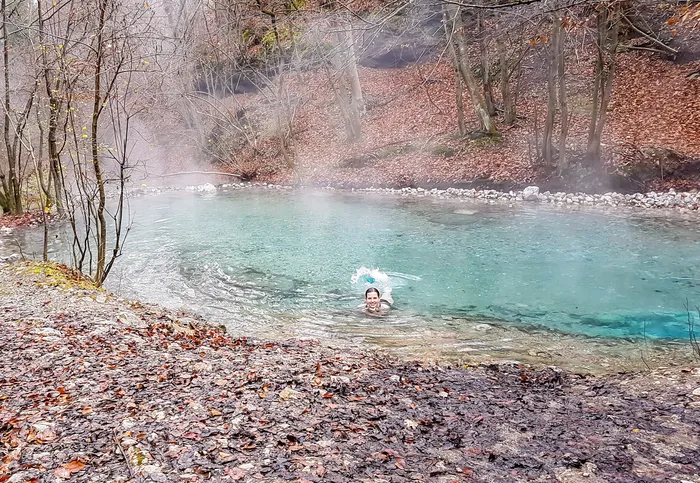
280	264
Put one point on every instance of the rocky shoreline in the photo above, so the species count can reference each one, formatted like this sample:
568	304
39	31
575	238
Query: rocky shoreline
683	201
96	388
671	199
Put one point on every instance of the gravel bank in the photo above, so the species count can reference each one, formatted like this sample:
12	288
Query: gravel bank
686	201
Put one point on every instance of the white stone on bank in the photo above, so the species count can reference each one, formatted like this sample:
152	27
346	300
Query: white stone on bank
531	193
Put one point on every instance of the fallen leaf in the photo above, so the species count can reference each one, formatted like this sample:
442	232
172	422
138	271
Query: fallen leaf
68	469
289	393
466	471
226	457
61	472
235	473
74	466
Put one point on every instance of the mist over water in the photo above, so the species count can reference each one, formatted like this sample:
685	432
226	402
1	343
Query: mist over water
279	264
249	254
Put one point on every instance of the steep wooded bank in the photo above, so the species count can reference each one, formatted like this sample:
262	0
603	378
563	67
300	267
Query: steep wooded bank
648	144
574	95
567	105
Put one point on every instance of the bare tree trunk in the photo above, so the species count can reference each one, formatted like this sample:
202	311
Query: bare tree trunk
548	133
45	185
459	90
36	160
608	39
283	119
119	115
454	30
282	110
4	204
485	64
96	109
345	83
609	77
508	104
536	128
55	104
563	104
12	188
591	149
358	100
351	118
514	77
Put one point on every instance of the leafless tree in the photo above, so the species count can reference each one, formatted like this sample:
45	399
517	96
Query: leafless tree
556	94
113	56
13	36
456	42
608	18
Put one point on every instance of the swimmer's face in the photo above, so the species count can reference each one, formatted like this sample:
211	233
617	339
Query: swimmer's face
372	301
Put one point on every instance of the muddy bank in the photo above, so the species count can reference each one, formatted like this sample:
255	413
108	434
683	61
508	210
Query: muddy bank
94	388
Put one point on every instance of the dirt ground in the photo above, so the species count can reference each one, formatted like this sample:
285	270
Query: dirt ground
95	388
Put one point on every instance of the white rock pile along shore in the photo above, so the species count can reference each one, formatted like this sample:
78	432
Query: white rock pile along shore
670	199
652	199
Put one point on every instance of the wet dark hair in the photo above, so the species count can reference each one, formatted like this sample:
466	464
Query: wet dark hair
370	290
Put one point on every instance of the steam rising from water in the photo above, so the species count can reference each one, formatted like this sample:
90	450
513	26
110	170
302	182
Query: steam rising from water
273	264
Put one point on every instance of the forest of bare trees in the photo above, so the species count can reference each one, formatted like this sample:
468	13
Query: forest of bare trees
87	84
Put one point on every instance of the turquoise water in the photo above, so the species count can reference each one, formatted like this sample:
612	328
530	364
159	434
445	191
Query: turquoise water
280	263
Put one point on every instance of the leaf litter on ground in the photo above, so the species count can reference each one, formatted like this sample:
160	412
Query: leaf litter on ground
95	388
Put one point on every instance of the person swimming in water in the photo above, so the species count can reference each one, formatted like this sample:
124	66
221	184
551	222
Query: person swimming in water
375	303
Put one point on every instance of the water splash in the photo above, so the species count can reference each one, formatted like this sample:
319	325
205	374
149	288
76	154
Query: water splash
404	276
365	278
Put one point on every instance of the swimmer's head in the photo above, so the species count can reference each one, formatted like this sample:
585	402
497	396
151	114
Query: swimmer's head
372	298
